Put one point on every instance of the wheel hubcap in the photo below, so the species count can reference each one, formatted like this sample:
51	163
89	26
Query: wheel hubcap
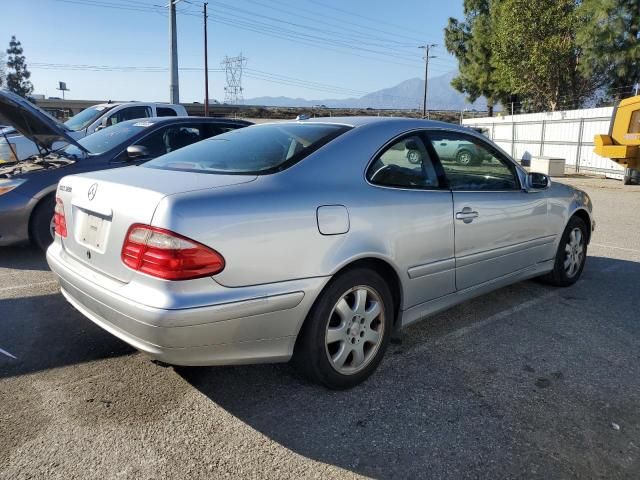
465	158
574	252
355	330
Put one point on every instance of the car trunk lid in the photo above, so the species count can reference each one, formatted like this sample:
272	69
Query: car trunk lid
101	207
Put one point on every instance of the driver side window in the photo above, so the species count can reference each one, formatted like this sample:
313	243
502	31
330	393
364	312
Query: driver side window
471	164
404	164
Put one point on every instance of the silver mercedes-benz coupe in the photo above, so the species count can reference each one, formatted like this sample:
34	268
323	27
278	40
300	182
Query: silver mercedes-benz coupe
316	240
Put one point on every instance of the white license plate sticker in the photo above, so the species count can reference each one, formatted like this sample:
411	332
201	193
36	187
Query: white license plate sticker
93	231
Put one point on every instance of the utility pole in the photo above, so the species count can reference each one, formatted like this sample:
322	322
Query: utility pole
426	49
206	66
174	87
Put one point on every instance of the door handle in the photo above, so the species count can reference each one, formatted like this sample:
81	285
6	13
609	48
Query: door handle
467	215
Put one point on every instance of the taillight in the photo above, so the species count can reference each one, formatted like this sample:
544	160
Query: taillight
59	220
164	254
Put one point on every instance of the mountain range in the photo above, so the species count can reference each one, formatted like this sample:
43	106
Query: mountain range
405	95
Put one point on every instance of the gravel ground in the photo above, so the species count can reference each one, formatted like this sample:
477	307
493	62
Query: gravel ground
529	381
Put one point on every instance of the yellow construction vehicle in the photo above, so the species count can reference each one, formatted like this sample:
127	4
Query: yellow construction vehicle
622	145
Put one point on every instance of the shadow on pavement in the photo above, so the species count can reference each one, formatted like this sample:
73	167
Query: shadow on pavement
529	394
23	258
46	332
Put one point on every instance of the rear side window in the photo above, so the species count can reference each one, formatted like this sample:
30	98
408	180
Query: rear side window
166	112
129	113
170	139
260	149
404	164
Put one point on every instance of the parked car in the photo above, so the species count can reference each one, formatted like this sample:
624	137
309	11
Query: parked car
317	240
14	145
27	187
462	152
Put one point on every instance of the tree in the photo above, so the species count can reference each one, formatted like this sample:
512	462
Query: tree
2	69
470	41
610	42
18	75
536	55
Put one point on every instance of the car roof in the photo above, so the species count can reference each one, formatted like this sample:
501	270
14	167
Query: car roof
398	121
116	104
183	119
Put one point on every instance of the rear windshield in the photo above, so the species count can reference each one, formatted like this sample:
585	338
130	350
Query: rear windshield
257	150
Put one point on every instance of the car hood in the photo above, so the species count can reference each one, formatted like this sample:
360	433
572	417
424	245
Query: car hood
32	122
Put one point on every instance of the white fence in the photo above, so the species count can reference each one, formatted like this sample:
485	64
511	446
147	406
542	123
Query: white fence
567	134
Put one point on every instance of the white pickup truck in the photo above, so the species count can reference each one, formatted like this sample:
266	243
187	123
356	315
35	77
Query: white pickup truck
89	120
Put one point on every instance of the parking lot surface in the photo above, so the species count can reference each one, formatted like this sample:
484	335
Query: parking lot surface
529	381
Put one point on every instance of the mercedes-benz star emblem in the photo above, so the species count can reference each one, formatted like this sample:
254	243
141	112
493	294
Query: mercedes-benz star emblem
92	191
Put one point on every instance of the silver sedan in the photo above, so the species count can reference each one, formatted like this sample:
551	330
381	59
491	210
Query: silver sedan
316	240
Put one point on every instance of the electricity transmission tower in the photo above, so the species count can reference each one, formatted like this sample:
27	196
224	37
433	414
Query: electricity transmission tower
233	70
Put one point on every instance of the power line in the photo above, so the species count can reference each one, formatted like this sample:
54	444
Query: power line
376	20
262	28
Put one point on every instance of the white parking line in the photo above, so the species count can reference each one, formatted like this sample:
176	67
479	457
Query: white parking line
493	318
18	287
7	354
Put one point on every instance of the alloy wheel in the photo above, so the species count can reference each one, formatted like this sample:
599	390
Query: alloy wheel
52	228
464	158
574	252
355	330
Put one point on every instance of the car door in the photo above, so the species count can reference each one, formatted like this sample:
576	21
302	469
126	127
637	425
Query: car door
500	228
415	216
447	149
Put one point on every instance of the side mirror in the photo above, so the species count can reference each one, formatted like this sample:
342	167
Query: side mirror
137	152
538	181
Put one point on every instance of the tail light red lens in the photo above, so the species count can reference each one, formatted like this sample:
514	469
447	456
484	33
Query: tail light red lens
59	219
165	254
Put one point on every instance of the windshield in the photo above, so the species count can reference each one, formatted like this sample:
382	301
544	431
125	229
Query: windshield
108	138
86	117
260	149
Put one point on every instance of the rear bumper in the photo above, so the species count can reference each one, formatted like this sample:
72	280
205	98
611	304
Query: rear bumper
257	324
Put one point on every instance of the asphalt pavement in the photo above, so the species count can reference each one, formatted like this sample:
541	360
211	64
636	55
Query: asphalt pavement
528	381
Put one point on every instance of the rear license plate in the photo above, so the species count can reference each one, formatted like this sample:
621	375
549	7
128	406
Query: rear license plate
93	231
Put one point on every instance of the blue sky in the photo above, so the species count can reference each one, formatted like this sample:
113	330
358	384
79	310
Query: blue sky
346	48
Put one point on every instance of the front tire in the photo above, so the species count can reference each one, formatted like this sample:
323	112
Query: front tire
571	255
347	331
41	225
464	157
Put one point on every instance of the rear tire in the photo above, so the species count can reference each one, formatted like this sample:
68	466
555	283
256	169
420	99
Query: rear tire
41	225
347	331
571	255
